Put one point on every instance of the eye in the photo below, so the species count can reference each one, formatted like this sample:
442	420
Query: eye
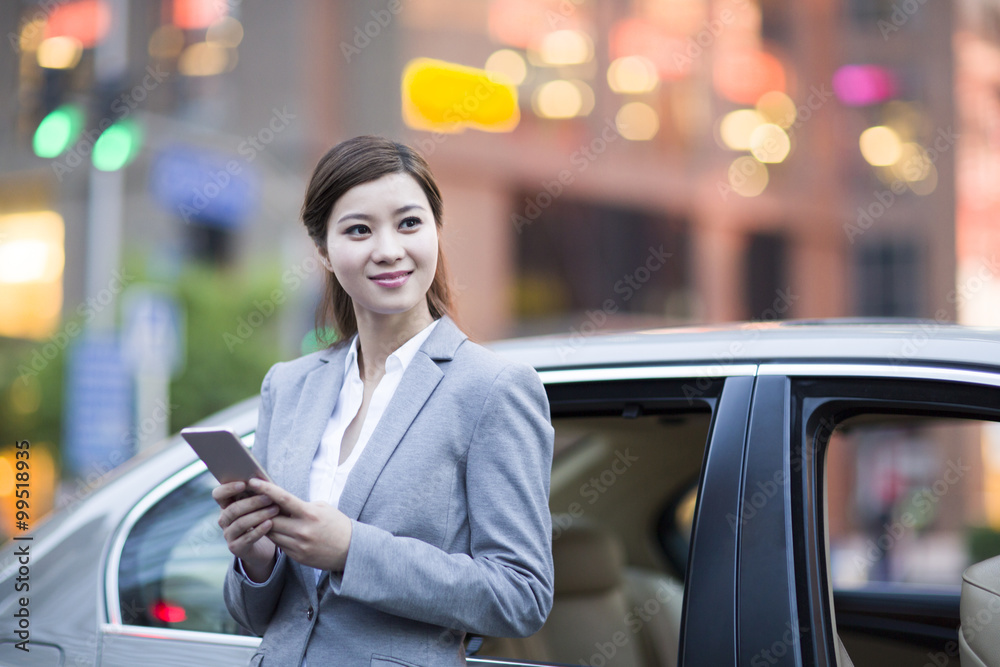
414	220
349	230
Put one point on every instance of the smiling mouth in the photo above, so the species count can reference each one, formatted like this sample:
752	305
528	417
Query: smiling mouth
391	276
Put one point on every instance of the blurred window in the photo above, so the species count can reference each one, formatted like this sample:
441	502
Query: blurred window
174	563
767	277
889	279
869	12
911	500
574	257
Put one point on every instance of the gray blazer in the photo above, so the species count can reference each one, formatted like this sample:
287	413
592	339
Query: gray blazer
448	504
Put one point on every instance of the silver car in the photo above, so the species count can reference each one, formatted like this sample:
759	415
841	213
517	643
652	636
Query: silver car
761	494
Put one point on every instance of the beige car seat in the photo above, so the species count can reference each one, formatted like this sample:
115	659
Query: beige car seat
979	634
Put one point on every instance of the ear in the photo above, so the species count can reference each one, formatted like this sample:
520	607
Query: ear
324	258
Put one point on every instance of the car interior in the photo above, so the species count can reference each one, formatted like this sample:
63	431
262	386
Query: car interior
622	501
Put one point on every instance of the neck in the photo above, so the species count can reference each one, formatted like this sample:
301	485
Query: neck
380	335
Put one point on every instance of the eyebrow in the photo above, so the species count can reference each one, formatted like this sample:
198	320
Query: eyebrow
369	218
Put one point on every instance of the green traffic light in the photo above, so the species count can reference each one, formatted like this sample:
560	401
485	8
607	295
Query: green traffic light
57	131
116	146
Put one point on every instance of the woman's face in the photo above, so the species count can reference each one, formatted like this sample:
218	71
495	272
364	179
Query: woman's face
383	227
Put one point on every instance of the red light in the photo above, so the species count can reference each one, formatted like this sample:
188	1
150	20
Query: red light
197	14
670	53
168	613
86	20
742	76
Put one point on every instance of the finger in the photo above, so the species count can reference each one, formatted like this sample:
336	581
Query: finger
224	493
287	501
249	523
244	521
238	508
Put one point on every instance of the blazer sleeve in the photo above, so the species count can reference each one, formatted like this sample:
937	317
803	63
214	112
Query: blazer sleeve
504	588
252	604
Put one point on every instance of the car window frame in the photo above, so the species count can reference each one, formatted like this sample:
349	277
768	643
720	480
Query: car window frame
812	594
112	616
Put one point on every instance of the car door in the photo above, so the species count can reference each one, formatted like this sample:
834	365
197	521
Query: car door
649	457
814	572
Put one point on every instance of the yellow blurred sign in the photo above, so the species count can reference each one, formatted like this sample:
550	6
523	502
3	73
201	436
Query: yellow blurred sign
445	97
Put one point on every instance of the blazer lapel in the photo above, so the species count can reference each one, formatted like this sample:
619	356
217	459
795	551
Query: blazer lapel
415	387
316	402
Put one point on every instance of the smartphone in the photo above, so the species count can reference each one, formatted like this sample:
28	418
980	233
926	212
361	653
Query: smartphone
224	454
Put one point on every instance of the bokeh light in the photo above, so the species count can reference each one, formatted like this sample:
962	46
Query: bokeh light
769	143
737	126
632	74
61	52
566	47
863	85
747	176
558	99
203	59
637	121
776	107
742	76
166	42
880	146
508	63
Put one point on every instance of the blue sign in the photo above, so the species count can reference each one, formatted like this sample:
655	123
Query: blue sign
204	187
98	414
153	331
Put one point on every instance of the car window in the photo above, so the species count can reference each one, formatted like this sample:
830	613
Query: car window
912	501
623	479
174	563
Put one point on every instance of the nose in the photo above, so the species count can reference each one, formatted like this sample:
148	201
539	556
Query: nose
388	248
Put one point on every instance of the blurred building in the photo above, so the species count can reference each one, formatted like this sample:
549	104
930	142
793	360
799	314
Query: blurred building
726	132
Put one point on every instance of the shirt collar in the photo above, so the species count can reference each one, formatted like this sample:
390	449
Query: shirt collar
401	358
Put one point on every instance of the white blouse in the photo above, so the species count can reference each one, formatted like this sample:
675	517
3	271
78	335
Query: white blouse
327	476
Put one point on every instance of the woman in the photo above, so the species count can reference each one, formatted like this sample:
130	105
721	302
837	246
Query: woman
410	464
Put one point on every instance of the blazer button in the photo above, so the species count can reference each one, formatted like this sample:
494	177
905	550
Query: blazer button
309	613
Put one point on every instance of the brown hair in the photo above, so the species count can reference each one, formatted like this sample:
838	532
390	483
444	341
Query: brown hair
346	165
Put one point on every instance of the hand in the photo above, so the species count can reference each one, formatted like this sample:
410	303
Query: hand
315	534
245	521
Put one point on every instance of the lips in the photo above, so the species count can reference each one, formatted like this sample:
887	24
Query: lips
391	276
392	280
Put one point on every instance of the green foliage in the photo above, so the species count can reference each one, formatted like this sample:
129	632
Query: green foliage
225	361
231	340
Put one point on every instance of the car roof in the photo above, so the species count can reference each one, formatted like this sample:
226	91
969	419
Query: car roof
921	342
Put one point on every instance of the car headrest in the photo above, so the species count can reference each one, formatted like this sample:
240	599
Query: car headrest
587	557
979	636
